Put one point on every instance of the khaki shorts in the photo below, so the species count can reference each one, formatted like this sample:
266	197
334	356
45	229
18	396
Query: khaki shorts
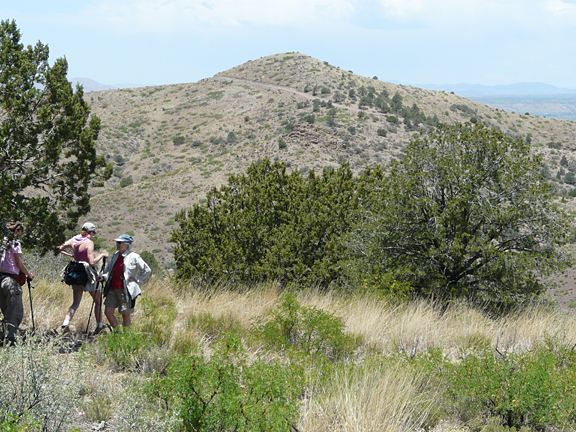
117	299
83	288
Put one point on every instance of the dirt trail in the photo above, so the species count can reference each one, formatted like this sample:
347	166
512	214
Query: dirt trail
292	90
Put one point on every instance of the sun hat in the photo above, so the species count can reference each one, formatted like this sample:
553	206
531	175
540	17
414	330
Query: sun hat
90	227
125	238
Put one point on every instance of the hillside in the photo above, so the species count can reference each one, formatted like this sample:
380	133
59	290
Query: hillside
175	142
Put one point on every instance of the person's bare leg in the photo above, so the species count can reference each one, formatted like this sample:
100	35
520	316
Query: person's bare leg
126	320
97	305
76	299
109	312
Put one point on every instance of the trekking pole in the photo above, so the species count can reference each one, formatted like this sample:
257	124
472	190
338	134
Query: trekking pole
31	308
102	290
94	298
91	309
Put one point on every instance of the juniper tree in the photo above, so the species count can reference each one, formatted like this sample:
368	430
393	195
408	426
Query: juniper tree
48	157
465	213
272	224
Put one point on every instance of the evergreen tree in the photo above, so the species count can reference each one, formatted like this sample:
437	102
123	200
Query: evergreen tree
48	157
466	213
271	224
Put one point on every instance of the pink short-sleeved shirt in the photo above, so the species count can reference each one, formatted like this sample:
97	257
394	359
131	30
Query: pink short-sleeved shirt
8	261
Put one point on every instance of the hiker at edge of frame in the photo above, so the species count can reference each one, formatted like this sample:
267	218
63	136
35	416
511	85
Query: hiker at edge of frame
123	275
11	266
83	250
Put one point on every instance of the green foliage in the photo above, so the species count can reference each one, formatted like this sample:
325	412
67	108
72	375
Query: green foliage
570	178
307	329
15	423
123	347
152	262
227	393
465	214
271	224
465	109
48	143
310	118
178	140
157	319
126	181
531	389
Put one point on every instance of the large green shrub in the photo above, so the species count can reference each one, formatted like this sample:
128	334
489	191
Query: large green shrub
271	224
49	160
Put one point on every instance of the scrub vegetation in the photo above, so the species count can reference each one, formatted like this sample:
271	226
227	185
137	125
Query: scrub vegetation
259	357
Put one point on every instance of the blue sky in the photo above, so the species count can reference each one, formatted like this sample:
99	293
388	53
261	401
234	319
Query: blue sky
149	42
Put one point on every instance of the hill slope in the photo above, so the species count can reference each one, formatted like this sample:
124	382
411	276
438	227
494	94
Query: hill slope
175	142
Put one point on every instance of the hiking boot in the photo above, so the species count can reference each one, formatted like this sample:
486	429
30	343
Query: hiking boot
65	329
98	330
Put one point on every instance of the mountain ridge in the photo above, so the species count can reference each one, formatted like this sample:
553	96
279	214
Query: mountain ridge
170	144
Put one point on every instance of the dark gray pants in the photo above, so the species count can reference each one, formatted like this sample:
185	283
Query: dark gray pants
11	305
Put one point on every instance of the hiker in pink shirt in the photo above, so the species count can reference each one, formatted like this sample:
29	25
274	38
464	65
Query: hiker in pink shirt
83	250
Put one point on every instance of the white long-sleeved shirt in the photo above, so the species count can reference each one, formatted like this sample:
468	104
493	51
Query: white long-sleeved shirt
135	267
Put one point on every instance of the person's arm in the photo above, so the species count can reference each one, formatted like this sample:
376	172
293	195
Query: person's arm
144	273
66	245
22	267
90	252
107	270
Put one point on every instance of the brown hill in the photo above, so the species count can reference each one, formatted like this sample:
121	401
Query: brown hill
175	142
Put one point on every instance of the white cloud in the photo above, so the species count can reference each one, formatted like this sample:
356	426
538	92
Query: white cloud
169	16
485	13
559	6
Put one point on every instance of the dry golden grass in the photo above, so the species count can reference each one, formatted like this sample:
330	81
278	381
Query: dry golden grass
366	399
361	396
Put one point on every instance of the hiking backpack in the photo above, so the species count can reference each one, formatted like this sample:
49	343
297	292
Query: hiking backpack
75	273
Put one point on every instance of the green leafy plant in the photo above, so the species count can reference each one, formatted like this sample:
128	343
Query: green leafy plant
307	329
227	393
272	224
454	224
123	347
158	316
530	389
126	181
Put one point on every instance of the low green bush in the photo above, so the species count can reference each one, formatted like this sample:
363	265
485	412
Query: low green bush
533	389
306	329
227	393
158	317
123	347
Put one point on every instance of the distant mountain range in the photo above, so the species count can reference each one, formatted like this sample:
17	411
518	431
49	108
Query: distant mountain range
91	85
519	89
524	88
